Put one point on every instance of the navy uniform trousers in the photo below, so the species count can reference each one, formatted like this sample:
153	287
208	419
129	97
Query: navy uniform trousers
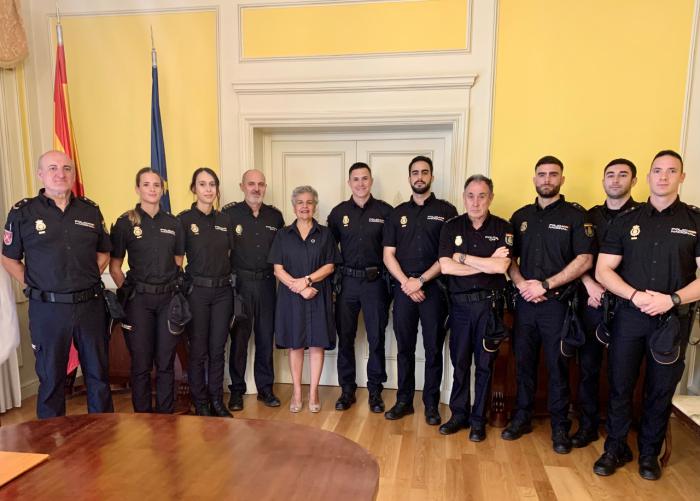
628	347
468	324
149	341
259	303
590	359
373	299
432	314
211	309
539	324
52	327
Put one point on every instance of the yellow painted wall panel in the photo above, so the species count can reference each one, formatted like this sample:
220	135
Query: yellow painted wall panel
354	28
109	80
586	82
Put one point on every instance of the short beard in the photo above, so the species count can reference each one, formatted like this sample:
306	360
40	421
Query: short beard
620	196
552	194
421	191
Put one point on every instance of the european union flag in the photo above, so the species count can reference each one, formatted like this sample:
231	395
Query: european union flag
157	146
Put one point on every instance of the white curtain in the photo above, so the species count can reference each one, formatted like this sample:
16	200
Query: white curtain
10	394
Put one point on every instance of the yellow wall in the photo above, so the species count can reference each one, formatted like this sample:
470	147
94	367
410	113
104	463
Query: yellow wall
587	82
356	28
109	80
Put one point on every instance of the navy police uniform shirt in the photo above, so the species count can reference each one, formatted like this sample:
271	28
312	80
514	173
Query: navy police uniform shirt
602	218
459	235
658	249
59	248
253	236
547	240
414	230
359	231
152	246
208	242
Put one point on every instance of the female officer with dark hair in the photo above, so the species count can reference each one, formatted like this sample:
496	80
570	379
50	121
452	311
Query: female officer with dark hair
209	241
156	244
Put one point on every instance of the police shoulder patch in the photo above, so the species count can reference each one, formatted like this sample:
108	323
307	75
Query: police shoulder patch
21	203
87	200
229	205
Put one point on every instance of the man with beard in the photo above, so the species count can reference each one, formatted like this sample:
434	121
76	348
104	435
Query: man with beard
619	176
255	225
411	239
649	260
357	225
553	247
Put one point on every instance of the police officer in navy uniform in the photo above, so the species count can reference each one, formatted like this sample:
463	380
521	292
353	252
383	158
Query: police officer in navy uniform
553	247
474	256
357	225
649	260
255	225
411	240
155	243
619	176
56	247
209	240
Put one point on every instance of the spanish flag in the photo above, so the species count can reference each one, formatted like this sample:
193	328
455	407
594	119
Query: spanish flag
64	140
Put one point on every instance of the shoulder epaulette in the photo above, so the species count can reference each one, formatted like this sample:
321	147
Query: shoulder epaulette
629	209
274	208
229	205
182	212
21	203
452	218
578	206
87	200
125	214
694	208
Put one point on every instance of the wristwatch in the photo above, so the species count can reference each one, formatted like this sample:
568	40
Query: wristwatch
309	282
462	257
676	299
545	285
421	280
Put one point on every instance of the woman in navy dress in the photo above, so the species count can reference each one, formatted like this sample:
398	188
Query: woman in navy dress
304	255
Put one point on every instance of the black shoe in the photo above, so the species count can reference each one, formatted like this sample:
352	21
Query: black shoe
399	410
202	410
453	425
432	416
345	401
477	433
583	437
561	443
608	463
649	468
269	399
515	430
376	404
235	403
218	409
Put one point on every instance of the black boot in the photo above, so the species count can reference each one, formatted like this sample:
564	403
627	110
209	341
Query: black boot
218	409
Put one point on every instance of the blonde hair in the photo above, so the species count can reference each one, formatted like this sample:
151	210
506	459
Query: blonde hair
132	214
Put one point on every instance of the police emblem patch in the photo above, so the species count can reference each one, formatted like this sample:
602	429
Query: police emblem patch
40	226
523	226
138	232
7	237
635	231
239	229
194	228
458	240
403	220
588	229
509	239
346	220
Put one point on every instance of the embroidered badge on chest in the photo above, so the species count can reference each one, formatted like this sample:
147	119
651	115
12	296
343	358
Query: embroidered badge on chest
509	239
458	240
346	221
194	229
635	231
239	230
40	226
403	221
523	227
138	232
588	229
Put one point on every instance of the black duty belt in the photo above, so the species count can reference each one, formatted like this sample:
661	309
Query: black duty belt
64	297
253	275
359	272
472	297
211	282
145	288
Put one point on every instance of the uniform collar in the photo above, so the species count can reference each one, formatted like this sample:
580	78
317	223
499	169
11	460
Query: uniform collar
48	202
551	206
670	210
483	226
629	203
146	214
249	210
200	213
427	202
369	202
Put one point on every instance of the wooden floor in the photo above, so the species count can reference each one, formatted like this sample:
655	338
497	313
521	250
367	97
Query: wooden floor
417	463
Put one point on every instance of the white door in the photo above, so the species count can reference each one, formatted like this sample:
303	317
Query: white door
322	161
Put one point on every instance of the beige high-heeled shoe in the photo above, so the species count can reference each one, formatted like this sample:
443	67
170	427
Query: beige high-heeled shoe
295	406
314	407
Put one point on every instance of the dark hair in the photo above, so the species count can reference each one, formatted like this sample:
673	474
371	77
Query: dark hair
132	214
479	178
206	170
669	153
358	165
549	159
622	161
420	158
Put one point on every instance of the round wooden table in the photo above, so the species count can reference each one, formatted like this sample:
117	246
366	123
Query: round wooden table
155	456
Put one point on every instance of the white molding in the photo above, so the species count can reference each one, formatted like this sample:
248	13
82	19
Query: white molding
360	55
356	85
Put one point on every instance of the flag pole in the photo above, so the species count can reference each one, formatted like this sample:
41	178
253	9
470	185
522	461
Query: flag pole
59	28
